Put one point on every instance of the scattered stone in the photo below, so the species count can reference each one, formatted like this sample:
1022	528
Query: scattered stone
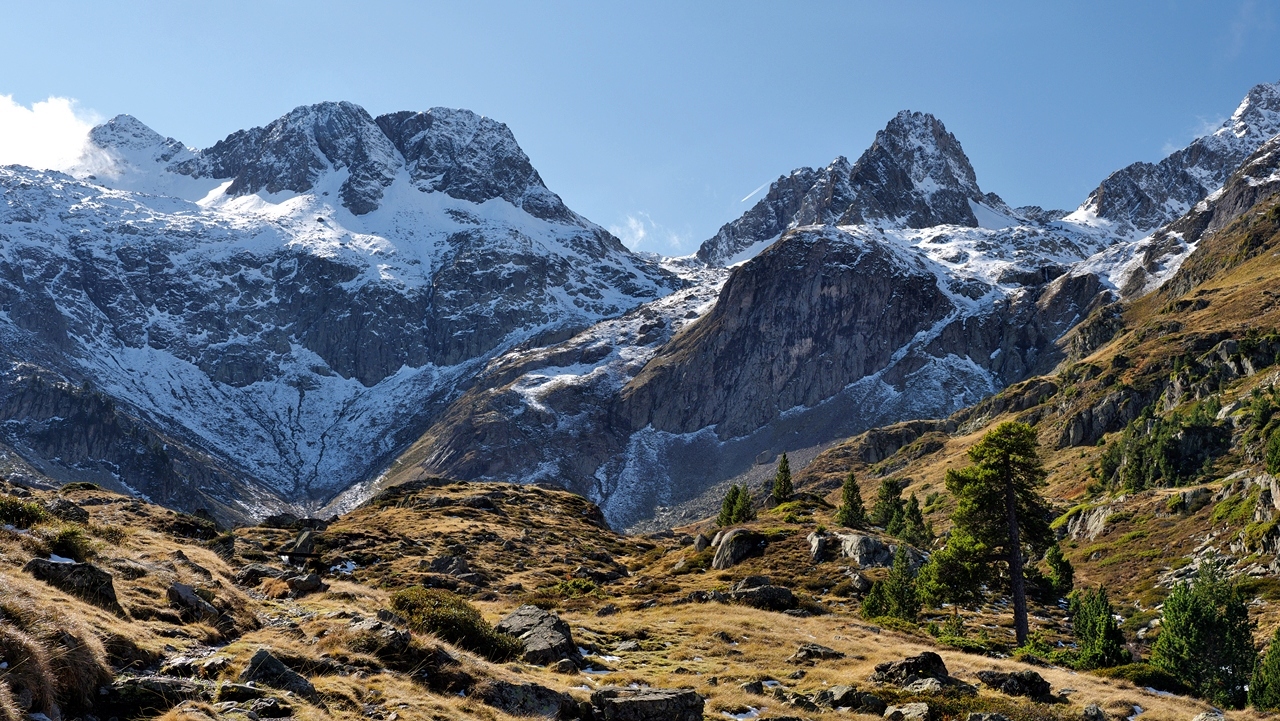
797	674
565	666
237	692
1019	683
268	670
701	543
811	651
545	636
67	510
1094	712
797	613
271	708
627	647
525	699
1209	716
607	610
755	688
647	704
901	673
303	545
975	716
154	693
817	546
909	712
83	580
735	546
450	565
193	608
860	583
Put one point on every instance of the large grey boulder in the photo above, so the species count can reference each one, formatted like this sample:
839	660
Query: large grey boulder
546	638
866	551
758	592
83	580
128	694
266	669
736	546
525	699
818	543
912	668
1018	683
647	704
909	712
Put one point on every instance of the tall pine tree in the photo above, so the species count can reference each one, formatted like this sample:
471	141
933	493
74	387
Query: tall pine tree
851	514
782	488
998	502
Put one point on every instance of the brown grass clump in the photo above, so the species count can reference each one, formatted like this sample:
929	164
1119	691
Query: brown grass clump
275	588
28	675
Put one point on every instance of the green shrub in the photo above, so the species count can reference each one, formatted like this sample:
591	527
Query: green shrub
1155	451
82	486
1099	638
19	513
69	542
1145	675
451	618
576	588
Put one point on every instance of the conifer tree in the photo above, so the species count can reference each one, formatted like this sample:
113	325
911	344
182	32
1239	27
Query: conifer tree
851	514
914	529
1061	572
954	574
888	505
1264	687
1206	639
999	504
782	488
743	511
727	507
900	587
876	604
1098	637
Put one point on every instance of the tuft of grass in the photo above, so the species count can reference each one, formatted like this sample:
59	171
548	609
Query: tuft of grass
449	617
115	535
68	541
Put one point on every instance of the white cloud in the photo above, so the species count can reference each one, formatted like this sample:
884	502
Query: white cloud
638	231
50	134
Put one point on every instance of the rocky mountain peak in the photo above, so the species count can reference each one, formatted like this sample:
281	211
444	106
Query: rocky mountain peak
914	175
1258	114
126	133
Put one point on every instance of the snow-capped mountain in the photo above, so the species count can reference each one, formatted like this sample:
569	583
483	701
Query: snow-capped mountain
296	300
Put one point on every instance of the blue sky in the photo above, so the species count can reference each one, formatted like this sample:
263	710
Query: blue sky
659	117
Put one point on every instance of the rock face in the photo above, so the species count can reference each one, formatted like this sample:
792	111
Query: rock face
737	545
647	704
79	579
546	638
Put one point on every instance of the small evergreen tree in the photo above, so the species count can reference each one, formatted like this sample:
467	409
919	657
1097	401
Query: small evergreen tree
900	587
851	514
1273	453
728	506
876	604
1264	687
782	488
1206	639
743	511
1098	637
914	530
888	506
954	574
1061	574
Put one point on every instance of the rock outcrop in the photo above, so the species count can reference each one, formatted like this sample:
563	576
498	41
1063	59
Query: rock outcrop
647	704
546	638
84	580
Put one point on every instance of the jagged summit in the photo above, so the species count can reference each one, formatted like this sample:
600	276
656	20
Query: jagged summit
1139	198
457	152
914	175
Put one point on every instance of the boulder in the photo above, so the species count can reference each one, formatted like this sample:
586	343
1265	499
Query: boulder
1019	683
545	636
860	583
304	584
83	580
647	704
924	687
817	546
1094	712
67	510
909	712
755	688
866	551
266	669
735	546
758	592
270	708
811	651
901	673
237	692
845	697
190	605
450	566
525	699
303	545
701	543
252	574
157	694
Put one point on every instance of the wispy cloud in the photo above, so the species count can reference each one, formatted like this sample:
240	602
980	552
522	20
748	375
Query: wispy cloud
50	134
638	231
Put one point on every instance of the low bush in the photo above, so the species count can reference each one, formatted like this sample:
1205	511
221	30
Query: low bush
68	542
20	513
1144	675
451	618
